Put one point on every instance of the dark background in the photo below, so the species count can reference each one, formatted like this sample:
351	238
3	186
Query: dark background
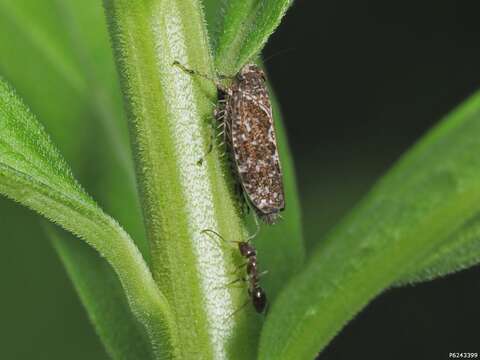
359	82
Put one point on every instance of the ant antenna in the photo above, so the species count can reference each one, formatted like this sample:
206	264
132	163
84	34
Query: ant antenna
210	231
206	231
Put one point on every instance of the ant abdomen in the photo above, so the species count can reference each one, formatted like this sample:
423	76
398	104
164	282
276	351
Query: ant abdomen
259	299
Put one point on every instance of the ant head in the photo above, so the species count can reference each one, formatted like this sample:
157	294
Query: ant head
259	299
246	249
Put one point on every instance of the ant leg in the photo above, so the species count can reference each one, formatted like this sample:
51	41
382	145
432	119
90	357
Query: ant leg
238	310
267	308
210	231
265	272
231	283
236	281
240	267
243	265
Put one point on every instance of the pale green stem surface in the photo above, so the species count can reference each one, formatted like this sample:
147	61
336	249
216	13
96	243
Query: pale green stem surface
170	113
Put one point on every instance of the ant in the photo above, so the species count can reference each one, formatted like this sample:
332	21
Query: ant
255	291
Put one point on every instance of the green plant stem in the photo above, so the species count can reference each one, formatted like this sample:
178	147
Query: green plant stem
169	113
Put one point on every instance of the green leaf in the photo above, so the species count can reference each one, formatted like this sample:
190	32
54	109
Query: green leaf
103	297
458	251
247	25
431	193
53	74
75	33
33	173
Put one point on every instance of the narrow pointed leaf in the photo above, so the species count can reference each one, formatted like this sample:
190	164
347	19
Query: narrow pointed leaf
33	173
246	27
458	251
102	295
91	113
431	193
82	115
